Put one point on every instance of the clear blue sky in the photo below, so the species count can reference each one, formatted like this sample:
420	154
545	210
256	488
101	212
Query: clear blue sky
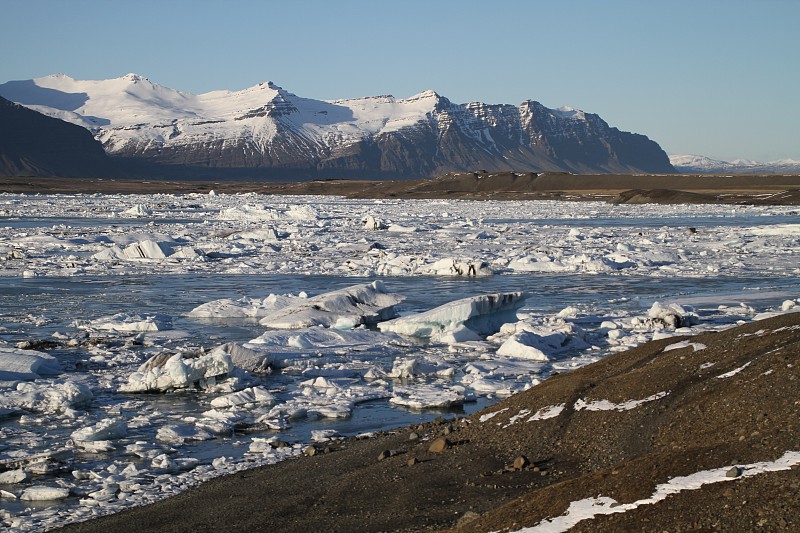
712	77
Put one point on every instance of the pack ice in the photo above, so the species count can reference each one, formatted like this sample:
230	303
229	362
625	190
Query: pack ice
226	393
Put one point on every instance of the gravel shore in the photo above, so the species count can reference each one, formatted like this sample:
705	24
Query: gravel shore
620	429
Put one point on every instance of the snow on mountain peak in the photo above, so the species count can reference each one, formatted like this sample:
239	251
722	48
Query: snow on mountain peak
131	115
570	113
133	77
699	164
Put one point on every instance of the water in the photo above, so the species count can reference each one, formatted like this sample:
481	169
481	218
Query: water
720	264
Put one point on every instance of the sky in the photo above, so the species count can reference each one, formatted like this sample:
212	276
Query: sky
719	78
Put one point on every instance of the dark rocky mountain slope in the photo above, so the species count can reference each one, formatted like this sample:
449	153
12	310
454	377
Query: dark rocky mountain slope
267	132
32	144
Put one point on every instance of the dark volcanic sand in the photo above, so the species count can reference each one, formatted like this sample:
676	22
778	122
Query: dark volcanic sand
704	422
775	190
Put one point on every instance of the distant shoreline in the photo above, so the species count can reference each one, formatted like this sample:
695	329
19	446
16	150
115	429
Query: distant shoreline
665	189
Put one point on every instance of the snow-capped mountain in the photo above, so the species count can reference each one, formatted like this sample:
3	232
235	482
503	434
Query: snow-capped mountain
269	129
698	164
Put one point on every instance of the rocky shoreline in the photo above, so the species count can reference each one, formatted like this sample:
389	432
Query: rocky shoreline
683	433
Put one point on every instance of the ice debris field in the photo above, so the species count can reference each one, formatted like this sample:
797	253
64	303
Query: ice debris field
148	343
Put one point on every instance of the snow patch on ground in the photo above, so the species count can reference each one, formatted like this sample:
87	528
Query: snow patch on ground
605	405
588	508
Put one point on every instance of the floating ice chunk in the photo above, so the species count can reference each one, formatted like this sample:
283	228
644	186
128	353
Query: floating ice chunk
284	346
249	212
165	372
163	463
538	263
427	396
25	365
411	367
178	434
661	316
257	394
11	477
46	398
523	345
397	228
302	212
147	249
263	234
125	322
456	267
241	308
96	438
372	223
539	343
363	304
457	335
568	312
42	493
252	359
483	314
188	253
321	383
139	210
323	435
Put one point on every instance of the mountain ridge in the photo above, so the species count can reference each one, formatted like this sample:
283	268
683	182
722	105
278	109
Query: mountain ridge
699	164
32	144
265	129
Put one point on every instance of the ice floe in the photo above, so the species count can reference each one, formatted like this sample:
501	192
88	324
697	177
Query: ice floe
127	322
230	393
168	371
343	309
26	365
480	314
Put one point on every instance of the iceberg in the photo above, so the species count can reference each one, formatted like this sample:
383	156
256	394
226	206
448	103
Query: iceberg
48	398
241	308
482	314
26	365
428	396
672	316
251	359
42	493
125	322
97	438
165	372
281	348
257	394
457	267
360	304
539	343
139	210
